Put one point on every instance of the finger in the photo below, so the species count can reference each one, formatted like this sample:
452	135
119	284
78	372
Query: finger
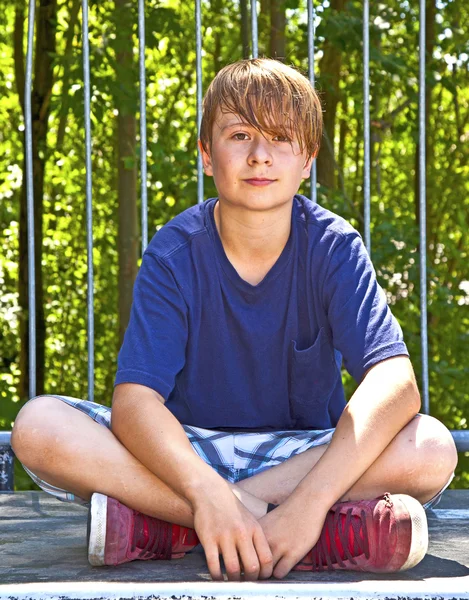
249	561
213	562
283	567
264	554
231	561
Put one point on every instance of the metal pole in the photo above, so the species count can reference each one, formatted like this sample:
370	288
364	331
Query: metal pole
89	217
366	120
143	123
198	54
30	200
311	31
423	213
255	48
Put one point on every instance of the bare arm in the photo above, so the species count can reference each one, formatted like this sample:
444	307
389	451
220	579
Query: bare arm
384	402
153	435
156	438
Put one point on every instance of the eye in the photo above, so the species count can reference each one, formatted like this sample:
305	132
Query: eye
282	139
236	134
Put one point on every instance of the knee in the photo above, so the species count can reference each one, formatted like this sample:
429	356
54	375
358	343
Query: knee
436	451
32	433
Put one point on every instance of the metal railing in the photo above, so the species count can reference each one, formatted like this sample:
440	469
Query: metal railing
6	456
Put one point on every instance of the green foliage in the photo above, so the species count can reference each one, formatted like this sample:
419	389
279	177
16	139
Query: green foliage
172	175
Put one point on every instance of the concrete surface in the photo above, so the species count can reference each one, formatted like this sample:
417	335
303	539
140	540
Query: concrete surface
43	555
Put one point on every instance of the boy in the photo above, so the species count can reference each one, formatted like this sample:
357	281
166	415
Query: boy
229	422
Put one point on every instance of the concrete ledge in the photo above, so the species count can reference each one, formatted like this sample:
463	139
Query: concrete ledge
369	590
43	555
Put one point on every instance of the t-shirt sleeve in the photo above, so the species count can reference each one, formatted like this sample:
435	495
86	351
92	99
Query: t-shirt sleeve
153	350
363	328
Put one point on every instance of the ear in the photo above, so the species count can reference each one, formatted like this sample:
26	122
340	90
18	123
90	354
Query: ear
206	160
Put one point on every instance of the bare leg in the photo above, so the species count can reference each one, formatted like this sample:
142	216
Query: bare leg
418	461
69	450
73	452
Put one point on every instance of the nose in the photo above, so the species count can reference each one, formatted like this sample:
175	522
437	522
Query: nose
260	151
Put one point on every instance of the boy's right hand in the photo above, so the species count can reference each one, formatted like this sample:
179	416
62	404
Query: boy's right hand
225	527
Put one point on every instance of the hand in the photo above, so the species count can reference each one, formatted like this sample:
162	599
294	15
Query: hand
291	531
224	526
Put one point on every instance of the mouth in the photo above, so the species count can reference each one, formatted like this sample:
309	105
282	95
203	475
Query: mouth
259	181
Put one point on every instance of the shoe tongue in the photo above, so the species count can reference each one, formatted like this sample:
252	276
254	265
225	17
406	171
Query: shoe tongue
350	540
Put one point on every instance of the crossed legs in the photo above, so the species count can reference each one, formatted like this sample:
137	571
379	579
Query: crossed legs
66	448
419	462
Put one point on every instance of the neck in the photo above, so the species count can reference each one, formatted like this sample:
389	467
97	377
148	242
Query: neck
256	237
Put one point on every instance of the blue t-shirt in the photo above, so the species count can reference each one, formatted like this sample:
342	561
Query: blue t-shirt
227	354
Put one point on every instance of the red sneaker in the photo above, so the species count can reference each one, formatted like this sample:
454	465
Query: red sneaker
117	534
383	535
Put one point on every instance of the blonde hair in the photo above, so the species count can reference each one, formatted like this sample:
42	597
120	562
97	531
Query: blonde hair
269	95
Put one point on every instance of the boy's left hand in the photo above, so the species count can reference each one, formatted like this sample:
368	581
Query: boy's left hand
292	529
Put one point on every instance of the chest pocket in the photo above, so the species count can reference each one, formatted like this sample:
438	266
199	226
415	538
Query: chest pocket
313	374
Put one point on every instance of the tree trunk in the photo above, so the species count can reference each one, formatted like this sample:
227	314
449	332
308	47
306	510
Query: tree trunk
376	135
263	26
216	9
430	45
277	29
430	17
358	176
128	238
329	67
46	17
75	6
245	29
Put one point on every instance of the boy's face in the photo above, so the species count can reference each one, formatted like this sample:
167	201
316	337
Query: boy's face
240	154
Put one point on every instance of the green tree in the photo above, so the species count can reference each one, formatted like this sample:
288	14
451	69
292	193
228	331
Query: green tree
172	172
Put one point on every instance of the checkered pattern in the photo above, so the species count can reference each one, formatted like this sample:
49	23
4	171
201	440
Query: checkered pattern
238	455
234	455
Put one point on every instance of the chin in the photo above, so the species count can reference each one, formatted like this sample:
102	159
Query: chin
262	203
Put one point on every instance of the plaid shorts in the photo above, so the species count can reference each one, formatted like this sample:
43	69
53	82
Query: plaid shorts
234	455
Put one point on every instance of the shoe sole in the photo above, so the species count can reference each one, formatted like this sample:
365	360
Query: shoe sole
419	535
97	530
